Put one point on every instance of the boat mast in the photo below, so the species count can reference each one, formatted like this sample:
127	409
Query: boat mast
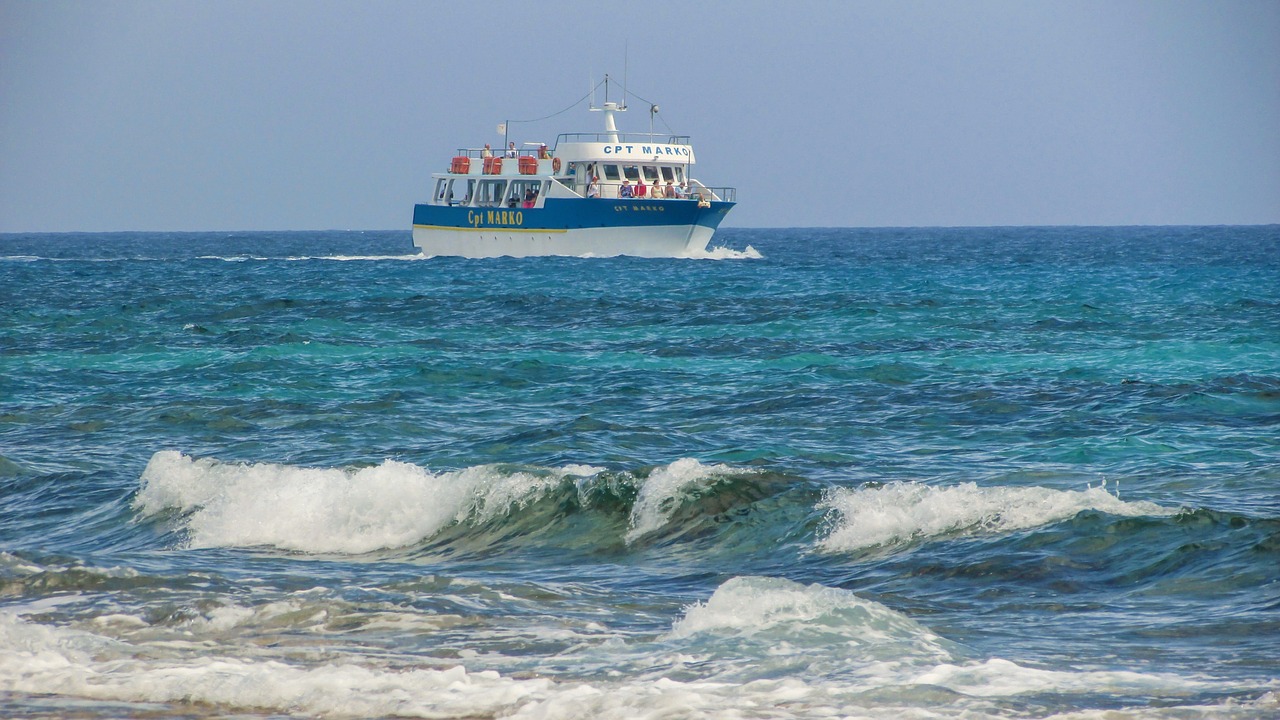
609	108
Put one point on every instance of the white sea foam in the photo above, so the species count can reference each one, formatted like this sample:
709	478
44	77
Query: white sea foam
766	624
997	678
811	616
724	253
900	513
42	660
38	659
394	504
664	490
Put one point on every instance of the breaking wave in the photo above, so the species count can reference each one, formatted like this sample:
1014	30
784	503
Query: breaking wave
901	513
400	505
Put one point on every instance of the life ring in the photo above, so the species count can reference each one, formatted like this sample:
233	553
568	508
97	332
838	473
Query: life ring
555	164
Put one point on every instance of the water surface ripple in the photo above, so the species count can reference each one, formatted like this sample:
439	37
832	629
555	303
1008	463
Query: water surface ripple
987	472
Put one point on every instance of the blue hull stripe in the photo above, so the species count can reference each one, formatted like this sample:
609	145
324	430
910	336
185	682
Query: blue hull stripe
573	214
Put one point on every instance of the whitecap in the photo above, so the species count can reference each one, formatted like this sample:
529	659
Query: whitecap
904	512
664	490
324	510
814	615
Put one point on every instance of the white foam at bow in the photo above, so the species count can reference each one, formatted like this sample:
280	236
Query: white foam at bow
724	253
394	504
904	512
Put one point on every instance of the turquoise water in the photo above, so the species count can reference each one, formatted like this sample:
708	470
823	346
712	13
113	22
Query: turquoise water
1012	472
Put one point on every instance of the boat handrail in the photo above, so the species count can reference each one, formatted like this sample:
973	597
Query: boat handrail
499	152
606	137
696	191
727	194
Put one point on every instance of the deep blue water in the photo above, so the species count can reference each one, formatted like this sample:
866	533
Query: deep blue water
1010	472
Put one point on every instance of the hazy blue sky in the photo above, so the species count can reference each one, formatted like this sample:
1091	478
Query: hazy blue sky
314	115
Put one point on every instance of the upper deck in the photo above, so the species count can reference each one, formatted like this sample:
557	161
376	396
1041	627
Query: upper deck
649	147
658	165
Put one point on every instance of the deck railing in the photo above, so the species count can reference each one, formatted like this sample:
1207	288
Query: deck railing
697	191
633	138
497	152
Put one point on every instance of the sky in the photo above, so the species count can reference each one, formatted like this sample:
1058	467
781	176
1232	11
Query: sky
238	115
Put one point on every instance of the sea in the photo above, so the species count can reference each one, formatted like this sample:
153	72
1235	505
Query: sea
913	473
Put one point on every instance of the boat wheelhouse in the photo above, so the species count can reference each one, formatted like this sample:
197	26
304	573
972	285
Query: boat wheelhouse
599	194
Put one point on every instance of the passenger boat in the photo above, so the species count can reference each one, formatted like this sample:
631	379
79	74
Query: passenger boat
581	197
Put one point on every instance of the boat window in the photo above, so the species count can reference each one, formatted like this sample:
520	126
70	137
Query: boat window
611	172
667	174
631	171
457	194
520	193
650	173
491	192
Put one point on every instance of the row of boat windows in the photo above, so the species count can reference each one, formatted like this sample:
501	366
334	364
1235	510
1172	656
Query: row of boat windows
489	193
614	172
514	193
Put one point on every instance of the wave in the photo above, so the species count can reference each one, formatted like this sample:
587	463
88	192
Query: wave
756	643
488	509
667	488
806	618
325	510
902	513
401	505
814	630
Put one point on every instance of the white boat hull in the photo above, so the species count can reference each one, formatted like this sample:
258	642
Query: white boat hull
653	241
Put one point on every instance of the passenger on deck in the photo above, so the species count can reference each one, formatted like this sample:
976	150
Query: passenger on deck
511	149
543	154
669	191
593	190
626	191
530	197
640	188
487	151
682	190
